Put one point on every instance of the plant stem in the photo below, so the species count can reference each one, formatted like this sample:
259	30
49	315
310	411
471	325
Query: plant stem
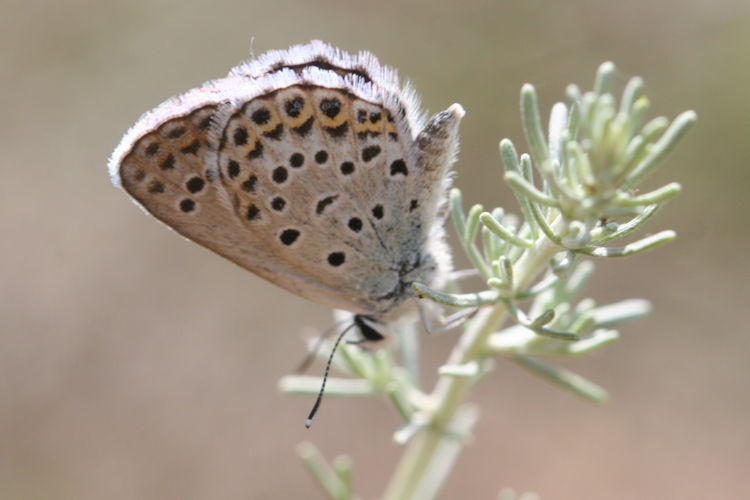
450	391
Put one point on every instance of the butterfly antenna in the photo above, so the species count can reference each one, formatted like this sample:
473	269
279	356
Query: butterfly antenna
315	407
313	352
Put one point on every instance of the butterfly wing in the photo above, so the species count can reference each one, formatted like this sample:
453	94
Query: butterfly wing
306	174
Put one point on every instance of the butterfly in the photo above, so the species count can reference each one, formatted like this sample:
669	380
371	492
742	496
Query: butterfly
310	167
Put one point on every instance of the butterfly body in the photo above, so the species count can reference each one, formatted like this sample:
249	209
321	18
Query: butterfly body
309	167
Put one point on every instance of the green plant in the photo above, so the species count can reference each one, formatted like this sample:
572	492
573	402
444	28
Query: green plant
591	163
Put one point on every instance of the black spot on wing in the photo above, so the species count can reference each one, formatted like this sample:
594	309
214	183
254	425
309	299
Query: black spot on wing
370	152
278	203
261	116
233	169
305	128
253	213
280	175
322	204
355	224
187	205
256	152
167	163
191	148
321	156
276	133
399	167
330	107
294	106
176	133
195	184
296	160
289	236
338	132
249	185
152	149
240	136
336	258
347	167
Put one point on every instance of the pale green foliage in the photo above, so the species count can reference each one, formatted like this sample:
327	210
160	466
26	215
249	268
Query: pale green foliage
590	163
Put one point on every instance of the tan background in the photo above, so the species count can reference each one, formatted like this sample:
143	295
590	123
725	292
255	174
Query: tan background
136	365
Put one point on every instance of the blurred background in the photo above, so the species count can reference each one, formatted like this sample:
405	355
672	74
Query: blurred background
134	364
